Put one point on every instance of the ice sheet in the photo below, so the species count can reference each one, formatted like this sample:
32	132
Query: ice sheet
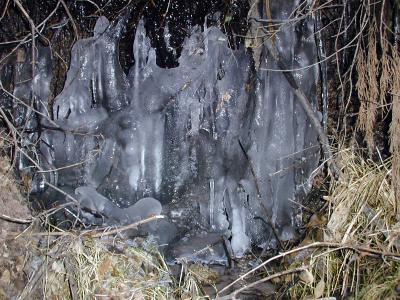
225	150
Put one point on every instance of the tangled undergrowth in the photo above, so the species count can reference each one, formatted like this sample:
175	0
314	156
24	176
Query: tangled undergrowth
66	266
361	220
110	269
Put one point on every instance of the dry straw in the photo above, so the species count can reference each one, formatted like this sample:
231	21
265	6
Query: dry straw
378	88
367	65
360	214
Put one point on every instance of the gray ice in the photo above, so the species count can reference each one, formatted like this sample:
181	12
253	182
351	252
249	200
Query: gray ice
221	146
96	203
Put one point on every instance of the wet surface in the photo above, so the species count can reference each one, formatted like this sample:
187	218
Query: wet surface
224	150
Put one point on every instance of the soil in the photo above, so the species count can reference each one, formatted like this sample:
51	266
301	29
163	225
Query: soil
13	254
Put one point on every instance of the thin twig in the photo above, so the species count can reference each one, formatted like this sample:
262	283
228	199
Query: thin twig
16	220
306	105
122	228
33	30
5	10
266	279
364	250
13	132
77	35
92	233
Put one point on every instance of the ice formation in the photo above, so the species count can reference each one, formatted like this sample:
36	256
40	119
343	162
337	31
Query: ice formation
96	203
225	150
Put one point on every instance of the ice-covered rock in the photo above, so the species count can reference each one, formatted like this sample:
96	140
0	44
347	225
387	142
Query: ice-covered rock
225	150
97	204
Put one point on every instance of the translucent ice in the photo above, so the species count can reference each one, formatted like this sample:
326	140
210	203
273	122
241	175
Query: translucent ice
97	204
226	150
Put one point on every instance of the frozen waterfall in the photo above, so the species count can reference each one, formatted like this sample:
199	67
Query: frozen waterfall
225	150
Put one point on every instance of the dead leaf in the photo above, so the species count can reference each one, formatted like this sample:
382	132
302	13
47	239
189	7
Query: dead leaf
306	276
319	289
337	222
316	221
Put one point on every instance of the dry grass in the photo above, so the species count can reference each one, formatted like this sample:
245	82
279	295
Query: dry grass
361	212
126	272
378	88
74	267
109	268
367	65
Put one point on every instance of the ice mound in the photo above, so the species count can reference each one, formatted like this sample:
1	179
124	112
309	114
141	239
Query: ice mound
97	204
225	150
